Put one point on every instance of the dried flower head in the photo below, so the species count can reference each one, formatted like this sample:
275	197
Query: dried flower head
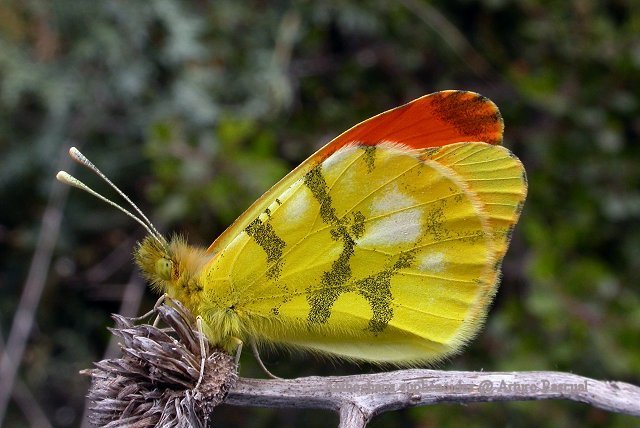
157	380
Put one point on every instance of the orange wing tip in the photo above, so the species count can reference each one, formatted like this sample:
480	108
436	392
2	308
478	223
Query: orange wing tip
433	120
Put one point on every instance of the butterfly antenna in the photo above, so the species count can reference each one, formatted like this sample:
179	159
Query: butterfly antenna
72	181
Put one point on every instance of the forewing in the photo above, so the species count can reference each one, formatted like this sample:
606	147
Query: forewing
433	120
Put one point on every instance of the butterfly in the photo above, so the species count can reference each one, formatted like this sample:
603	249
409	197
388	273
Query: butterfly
384	246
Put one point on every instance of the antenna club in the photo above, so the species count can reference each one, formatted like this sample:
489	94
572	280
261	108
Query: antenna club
74	152
66	178
79	157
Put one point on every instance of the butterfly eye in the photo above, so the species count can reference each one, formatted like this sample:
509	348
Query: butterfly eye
164	268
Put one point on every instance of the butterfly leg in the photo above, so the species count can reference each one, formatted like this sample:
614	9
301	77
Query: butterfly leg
203	350
238	345
256	354
159	302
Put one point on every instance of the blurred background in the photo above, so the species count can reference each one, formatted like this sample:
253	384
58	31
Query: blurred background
195	108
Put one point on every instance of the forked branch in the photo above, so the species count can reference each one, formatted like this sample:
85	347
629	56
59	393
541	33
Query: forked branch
360	398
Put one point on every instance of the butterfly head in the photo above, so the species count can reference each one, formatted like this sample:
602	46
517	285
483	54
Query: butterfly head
172	267
157	262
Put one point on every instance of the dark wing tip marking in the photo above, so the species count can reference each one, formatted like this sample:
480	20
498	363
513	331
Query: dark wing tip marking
471	114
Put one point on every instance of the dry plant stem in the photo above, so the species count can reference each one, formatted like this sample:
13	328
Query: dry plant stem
27	403
36	417
359	398
32	291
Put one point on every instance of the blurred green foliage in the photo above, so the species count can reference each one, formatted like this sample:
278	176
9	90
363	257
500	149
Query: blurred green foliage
195	108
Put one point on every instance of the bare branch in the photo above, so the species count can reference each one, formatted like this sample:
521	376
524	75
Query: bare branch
352	416
359	398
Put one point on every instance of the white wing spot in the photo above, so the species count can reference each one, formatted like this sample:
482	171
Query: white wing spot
432	262
338	156
297	206
401	227
392	200
398	228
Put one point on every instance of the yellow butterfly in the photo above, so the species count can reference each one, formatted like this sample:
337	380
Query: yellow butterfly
384	246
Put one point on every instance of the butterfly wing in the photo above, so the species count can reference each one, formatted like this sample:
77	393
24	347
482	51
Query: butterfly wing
380	252
432	120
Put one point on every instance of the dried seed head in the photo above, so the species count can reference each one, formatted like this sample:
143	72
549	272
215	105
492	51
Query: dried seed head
154	382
